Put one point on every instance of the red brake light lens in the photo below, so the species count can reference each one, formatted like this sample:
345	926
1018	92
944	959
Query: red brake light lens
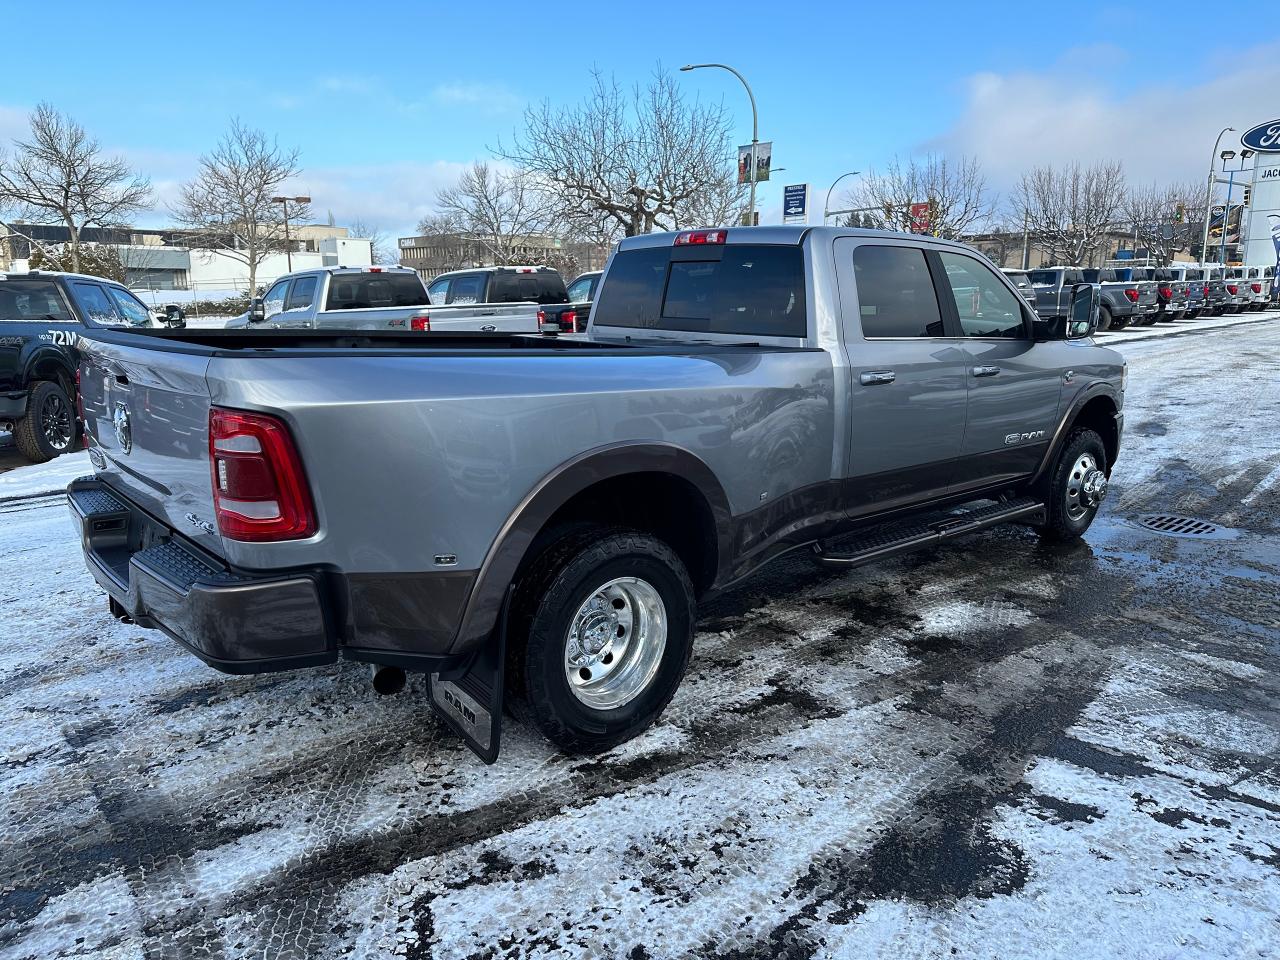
1166	292
1232	289
1205	291
260	490
1255	287
420	322
693	238
569	320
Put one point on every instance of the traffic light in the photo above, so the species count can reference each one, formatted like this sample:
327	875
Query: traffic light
1247	192
1180	213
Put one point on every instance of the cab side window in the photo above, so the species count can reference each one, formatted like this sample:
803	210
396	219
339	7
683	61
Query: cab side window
986	306
896	297
273	302
130	307
468	288
96	304
438	291
302	295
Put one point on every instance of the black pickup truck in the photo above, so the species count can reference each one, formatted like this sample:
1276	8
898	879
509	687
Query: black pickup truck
42	316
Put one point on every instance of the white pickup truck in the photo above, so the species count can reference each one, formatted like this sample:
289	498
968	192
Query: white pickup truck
375	298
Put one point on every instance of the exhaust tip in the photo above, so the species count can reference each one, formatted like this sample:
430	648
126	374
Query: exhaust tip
387	680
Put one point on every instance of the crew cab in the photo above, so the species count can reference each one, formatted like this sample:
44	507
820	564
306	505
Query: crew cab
512	284
373	298
562	505
42	318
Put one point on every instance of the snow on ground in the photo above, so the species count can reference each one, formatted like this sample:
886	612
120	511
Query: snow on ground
1001	749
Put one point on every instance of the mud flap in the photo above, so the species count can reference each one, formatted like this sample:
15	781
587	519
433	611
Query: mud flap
468	698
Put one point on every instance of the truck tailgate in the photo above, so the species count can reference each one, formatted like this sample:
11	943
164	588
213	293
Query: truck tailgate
485	317
146	414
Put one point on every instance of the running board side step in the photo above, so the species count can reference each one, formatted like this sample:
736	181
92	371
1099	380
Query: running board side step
905	536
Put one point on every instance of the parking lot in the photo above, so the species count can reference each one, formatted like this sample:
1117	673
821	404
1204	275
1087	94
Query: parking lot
998	749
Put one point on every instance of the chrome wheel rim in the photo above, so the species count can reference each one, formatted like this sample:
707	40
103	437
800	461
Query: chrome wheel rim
1086	486
615	643
55	422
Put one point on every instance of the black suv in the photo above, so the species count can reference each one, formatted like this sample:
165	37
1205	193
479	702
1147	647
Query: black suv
41	318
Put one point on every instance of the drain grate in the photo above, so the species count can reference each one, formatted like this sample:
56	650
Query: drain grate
1178	526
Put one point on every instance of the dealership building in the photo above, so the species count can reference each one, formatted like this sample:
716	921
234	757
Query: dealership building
1262	227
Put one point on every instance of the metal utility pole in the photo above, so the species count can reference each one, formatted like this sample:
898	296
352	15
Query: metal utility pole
1208	196
826	206
755	128
288	245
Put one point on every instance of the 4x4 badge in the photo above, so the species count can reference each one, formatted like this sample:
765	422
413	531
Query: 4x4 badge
120	420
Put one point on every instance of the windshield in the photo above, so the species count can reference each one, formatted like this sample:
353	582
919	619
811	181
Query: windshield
28	301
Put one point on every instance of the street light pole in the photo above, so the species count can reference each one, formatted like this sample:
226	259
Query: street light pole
827	203
755	128
288	245
1208	195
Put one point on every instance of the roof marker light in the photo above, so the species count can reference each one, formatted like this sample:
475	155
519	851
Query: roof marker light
693	238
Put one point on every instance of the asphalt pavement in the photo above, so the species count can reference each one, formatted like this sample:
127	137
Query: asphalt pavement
998	749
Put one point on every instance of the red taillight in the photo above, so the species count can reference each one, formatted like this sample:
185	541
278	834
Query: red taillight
1166	292
1132	295
374	270
259	487
569	320
1255	287
1232	289
420	322
697	237
1205	291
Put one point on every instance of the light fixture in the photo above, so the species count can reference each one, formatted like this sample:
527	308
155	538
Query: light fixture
1227	154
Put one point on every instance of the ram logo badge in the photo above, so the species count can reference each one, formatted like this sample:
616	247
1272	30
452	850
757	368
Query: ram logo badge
1023	437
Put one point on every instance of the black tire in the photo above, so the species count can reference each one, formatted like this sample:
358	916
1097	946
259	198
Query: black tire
49	428
561	580
1105	321
1060	523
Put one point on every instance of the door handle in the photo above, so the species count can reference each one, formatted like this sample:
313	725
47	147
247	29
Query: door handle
984	371
869	378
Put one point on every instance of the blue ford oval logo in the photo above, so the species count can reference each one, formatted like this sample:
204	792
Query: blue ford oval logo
120	420
1265	137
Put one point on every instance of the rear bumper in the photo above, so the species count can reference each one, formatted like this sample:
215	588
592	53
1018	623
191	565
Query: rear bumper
235	621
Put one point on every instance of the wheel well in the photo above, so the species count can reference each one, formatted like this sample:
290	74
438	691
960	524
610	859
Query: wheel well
662	504
48	369
1099	415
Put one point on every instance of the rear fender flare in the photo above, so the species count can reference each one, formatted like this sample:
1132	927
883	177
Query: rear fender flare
517	534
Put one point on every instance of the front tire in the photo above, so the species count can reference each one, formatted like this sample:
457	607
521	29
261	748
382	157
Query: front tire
49	428
1075	487
602	632
1105	321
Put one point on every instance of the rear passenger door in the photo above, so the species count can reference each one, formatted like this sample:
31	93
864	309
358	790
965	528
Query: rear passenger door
908	376
1014	384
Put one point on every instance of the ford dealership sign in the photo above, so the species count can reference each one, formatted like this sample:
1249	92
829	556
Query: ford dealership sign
1265	137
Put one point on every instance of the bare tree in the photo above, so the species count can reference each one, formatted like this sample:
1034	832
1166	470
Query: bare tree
379	252
451	249
641	158
955	189
228	205
1165	219
722	203
60	175
1070	211
499	210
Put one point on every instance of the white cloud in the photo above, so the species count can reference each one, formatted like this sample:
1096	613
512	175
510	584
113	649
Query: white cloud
489	97
1163	130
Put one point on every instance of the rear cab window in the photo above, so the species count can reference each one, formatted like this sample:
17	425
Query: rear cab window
752	290
544	287
362	291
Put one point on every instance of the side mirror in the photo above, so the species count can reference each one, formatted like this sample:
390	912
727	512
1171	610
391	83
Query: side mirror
1082	315
257	310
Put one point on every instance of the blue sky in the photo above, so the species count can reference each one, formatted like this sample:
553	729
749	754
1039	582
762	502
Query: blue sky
387	103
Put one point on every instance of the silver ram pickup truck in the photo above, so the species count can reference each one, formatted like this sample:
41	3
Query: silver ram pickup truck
533	521
375	298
